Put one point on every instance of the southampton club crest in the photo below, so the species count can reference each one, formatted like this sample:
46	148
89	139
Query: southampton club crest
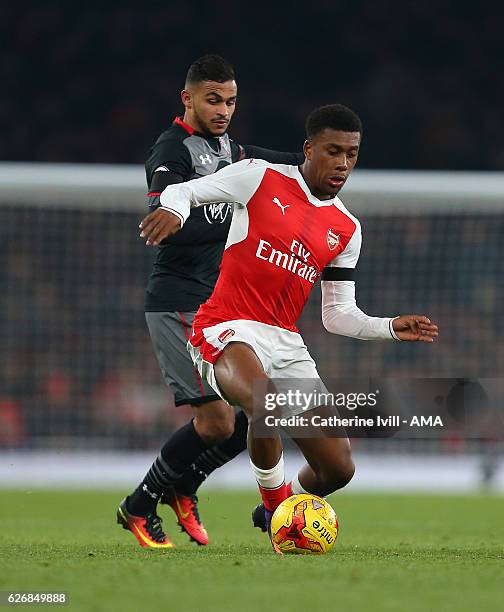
224	144
217	213
333	239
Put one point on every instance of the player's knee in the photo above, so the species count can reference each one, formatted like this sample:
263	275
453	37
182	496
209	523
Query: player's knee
215	428
220	430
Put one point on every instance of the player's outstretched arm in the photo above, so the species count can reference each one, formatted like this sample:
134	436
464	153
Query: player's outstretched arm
342	316
235	183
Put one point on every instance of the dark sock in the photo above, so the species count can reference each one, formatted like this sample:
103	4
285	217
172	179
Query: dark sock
212	458
175	457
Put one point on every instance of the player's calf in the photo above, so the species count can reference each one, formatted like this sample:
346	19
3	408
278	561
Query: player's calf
335	476
329	465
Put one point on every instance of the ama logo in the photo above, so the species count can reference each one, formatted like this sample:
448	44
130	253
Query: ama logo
333	239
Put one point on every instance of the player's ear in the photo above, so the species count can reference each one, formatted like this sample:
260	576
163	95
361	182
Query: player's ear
307	149
186	98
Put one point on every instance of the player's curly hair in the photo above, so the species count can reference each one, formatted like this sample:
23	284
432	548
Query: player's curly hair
334	117
210	68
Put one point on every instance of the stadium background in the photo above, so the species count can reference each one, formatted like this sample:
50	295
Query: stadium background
96	85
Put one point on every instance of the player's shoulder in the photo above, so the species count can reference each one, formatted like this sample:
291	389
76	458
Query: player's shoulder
252	161
285	169
251	164
170	151
174	136
263	166
259	167
342	208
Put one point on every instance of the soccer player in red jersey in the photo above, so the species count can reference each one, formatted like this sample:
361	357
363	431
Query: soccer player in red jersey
289	229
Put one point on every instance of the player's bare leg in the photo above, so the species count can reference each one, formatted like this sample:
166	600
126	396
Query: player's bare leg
214	421
329	462
236	370
330	466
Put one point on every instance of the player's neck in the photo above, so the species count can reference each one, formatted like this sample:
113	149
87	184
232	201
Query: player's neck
191	122
311	185
195	125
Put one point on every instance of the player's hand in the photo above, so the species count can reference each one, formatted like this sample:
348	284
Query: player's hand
413	328
158	225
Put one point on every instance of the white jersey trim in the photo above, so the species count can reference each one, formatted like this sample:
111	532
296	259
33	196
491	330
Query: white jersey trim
349	257
239	228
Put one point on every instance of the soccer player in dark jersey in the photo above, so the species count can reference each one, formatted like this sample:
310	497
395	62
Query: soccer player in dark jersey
289	229
184	275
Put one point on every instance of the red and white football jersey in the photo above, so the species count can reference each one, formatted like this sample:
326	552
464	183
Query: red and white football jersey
280	240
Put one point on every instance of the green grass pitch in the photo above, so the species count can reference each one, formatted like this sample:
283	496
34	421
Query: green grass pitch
394	552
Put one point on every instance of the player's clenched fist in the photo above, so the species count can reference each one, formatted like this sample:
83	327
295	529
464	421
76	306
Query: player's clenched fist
414	328
158	225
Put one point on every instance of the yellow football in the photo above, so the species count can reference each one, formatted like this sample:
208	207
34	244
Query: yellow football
304	524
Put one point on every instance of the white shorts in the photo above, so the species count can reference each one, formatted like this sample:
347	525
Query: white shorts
282	353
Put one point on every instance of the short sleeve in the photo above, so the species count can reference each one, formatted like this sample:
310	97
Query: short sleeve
173	155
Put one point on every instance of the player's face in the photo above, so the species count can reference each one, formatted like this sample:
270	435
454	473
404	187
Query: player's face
210	106
330	157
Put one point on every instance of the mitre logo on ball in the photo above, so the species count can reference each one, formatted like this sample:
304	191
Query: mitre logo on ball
333	239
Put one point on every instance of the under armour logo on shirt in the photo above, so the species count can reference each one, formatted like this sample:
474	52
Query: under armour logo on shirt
205	159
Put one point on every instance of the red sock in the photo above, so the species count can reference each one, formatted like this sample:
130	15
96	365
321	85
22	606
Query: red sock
288	489
272	498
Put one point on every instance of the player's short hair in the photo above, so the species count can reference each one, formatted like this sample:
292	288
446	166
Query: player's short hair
334	117
210	68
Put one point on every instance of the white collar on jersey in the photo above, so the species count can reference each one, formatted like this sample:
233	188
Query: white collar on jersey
311	198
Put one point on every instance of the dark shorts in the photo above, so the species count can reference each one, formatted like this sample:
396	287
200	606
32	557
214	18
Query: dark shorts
169	332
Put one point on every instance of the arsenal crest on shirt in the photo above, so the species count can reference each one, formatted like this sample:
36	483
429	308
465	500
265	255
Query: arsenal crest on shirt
226	334
333	239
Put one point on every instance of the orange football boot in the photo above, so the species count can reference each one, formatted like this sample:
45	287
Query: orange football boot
146	529
186	509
